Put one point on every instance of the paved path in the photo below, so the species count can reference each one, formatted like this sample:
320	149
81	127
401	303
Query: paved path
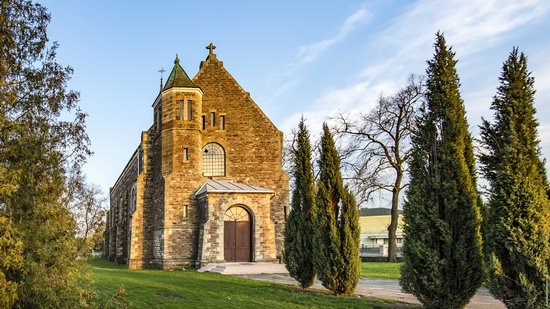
244	268
387	289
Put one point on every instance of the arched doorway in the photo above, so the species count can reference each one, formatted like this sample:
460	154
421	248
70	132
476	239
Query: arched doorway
237	235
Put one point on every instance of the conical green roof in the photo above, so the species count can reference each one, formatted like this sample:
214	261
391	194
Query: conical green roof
178	77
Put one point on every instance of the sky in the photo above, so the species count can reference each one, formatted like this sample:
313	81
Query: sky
311	58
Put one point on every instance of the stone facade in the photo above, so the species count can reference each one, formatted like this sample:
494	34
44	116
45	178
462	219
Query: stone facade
213	208
156	219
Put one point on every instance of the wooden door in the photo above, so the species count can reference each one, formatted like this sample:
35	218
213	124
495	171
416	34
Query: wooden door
230	242
237	237
243	241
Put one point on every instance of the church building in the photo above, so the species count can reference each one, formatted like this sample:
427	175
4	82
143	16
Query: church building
205	183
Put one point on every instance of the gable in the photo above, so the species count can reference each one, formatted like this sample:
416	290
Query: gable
223	92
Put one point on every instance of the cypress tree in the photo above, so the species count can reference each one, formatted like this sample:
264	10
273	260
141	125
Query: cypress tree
299	228
442	245
337	235
519	232
350	233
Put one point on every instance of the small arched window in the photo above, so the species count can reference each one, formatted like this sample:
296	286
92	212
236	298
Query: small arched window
213	160
236	213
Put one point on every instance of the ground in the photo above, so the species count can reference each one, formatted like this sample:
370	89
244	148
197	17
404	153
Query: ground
174	289
380	270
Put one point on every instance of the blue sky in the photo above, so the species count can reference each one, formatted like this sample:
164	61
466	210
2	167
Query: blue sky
308	57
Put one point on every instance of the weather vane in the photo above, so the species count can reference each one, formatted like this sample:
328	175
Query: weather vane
161	71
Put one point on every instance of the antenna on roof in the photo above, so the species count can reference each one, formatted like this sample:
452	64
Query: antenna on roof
161	71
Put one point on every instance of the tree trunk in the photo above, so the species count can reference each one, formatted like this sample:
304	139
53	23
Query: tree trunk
392	228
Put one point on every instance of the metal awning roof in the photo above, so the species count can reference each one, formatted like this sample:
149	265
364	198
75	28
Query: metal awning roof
222	186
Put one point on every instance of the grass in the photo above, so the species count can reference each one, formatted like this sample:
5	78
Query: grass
380	270
190	289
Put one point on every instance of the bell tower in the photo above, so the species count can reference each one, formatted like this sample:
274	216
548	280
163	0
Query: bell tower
178	111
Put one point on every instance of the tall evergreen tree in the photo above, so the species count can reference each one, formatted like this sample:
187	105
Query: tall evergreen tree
337	234
299	228
350	233
519	231
38	145
442	246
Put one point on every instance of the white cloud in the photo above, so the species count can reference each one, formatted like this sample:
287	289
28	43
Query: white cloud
291	74
541	72
469	26
544	136
542	96
354	99
309	53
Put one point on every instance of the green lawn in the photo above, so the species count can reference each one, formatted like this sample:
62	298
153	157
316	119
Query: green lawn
190	289
380	270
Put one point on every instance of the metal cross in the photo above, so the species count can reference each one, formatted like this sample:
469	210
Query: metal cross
211	47
161	71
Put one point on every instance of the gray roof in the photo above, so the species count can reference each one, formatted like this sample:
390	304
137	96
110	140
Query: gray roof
222	186
379	211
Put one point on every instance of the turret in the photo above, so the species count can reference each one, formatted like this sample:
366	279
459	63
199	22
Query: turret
177	117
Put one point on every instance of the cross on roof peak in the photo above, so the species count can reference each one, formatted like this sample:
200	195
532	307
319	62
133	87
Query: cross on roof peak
211	47
161	71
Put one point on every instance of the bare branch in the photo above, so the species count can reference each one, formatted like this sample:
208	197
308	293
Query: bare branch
376	146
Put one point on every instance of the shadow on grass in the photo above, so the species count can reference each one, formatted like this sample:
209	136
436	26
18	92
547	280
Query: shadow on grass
191	289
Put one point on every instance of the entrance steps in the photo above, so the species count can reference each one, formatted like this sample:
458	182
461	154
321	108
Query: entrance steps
244	268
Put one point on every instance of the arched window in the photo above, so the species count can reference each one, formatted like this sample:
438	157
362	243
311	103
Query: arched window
213	160
236	213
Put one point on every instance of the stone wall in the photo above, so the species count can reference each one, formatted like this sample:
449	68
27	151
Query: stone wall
138	241
214	205
181	177
252	143
166	229
120	216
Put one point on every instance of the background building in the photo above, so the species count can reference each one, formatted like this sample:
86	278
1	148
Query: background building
374	231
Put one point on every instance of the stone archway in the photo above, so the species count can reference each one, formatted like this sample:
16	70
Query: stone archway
237	235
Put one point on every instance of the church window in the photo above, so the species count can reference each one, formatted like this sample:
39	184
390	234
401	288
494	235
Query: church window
236	214
203	122
185	154
185	210
133	199
140	161
213	119
189	110
213	160
222	122
181	110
